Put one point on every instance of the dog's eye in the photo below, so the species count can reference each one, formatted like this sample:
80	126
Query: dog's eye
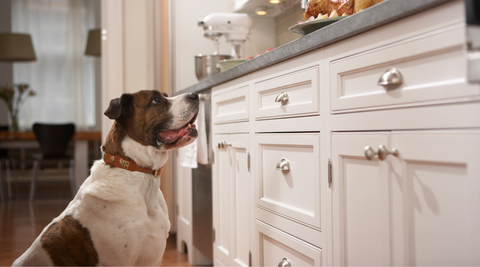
155	100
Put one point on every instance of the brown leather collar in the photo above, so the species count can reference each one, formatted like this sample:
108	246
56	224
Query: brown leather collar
128	164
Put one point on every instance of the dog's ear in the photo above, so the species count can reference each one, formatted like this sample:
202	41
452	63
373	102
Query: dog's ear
164	94
119	107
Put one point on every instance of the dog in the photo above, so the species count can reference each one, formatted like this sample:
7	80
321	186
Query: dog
119	215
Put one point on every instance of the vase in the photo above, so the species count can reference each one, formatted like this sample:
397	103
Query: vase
13	127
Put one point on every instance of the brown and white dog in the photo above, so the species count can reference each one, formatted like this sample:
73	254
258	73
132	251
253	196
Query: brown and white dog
119	215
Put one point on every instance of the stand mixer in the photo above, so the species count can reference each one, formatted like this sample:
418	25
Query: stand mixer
234	26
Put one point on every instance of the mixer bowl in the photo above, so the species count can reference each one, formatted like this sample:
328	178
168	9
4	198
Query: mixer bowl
208	65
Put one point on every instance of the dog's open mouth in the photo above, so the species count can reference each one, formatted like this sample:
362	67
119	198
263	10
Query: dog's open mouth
172	136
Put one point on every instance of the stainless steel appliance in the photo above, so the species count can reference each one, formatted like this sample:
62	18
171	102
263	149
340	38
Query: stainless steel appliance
208	65
202	216
472	10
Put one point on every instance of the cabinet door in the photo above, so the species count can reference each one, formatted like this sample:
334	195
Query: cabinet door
277	247
360	202
293	192
232	201
222	202
242	222
441	177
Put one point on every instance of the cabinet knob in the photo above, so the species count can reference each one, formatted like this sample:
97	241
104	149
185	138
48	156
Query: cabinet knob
382	153
283	165
223	144
283	98
391	77
284	263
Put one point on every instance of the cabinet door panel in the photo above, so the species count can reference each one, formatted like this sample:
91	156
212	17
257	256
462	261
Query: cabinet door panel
293	193
275	245
231	105
360	202
301	87
222	202
241	197
424	63
442	200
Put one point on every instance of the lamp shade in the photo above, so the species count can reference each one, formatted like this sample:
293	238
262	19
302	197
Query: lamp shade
16	47
94	45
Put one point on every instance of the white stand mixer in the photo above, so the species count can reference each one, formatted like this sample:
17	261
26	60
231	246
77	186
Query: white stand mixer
234	26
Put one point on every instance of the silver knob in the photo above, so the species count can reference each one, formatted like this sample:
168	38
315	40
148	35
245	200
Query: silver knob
283	98
283	165
223	144
370	153
284	263
382	153
391	77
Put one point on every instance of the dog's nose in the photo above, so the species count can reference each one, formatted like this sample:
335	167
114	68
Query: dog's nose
193	96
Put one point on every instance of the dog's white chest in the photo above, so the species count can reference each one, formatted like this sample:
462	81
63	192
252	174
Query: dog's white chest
127	217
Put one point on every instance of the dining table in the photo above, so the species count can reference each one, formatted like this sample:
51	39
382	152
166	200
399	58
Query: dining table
23	140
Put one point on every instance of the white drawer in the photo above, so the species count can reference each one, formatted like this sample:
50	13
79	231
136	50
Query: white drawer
432	65
274	246
301	87
294	194
230	105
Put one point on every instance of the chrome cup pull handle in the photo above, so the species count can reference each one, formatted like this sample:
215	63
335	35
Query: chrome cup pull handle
283	98
283	165
284	263
391	77
382	153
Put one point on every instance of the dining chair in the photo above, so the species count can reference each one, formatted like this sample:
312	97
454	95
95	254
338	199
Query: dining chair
6	159
54	140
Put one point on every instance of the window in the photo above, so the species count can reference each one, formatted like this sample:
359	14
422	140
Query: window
62	76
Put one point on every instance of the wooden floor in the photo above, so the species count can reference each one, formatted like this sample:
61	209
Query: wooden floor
21	222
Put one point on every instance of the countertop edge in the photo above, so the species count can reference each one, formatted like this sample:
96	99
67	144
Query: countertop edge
385	13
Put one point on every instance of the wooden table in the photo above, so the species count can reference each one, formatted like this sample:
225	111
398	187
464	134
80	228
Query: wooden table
26	139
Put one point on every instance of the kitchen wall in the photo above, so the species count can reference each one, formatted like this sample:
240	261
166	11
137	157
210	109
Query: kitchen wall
6	68
284	21
187	38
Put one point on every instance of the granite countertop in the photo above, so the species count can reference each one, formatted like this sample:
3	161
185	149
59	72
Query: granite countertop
368	19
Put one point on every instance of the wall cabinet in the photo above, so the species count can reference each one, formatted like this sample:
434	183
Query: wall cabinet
417	203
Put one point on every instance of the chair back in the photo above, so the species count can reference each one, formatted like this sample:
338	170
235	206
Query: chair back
54	138
3	152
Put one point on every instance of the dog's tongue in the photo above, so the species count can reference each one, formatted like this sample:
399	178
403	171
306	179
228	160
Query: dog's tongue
171	136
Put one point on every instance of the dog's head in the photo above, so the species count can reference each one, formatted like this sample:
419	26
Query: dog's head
152	119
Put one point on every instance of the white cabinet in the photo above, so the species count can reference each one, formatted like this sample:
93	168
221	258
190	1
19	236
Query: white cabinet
231	199
333	206
294	192
277	248
406	208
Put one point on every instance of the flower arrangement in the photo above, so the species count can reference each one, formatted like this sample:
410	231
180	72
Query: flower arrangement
15	95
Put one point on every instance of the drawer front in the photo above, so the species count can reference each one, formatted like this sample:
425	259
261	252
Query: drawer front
432	67
301	88
276	247
293	193
230	105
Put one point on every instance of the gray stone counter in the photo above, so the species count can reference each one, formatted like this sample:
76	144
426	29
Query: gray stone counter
368	19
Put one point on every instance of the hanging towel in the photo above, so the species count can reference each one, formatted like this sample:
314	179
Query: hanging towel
188	155
202	146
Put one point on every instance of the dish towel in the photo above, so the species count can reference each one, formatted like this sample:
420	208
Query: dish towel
188	155
202	146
